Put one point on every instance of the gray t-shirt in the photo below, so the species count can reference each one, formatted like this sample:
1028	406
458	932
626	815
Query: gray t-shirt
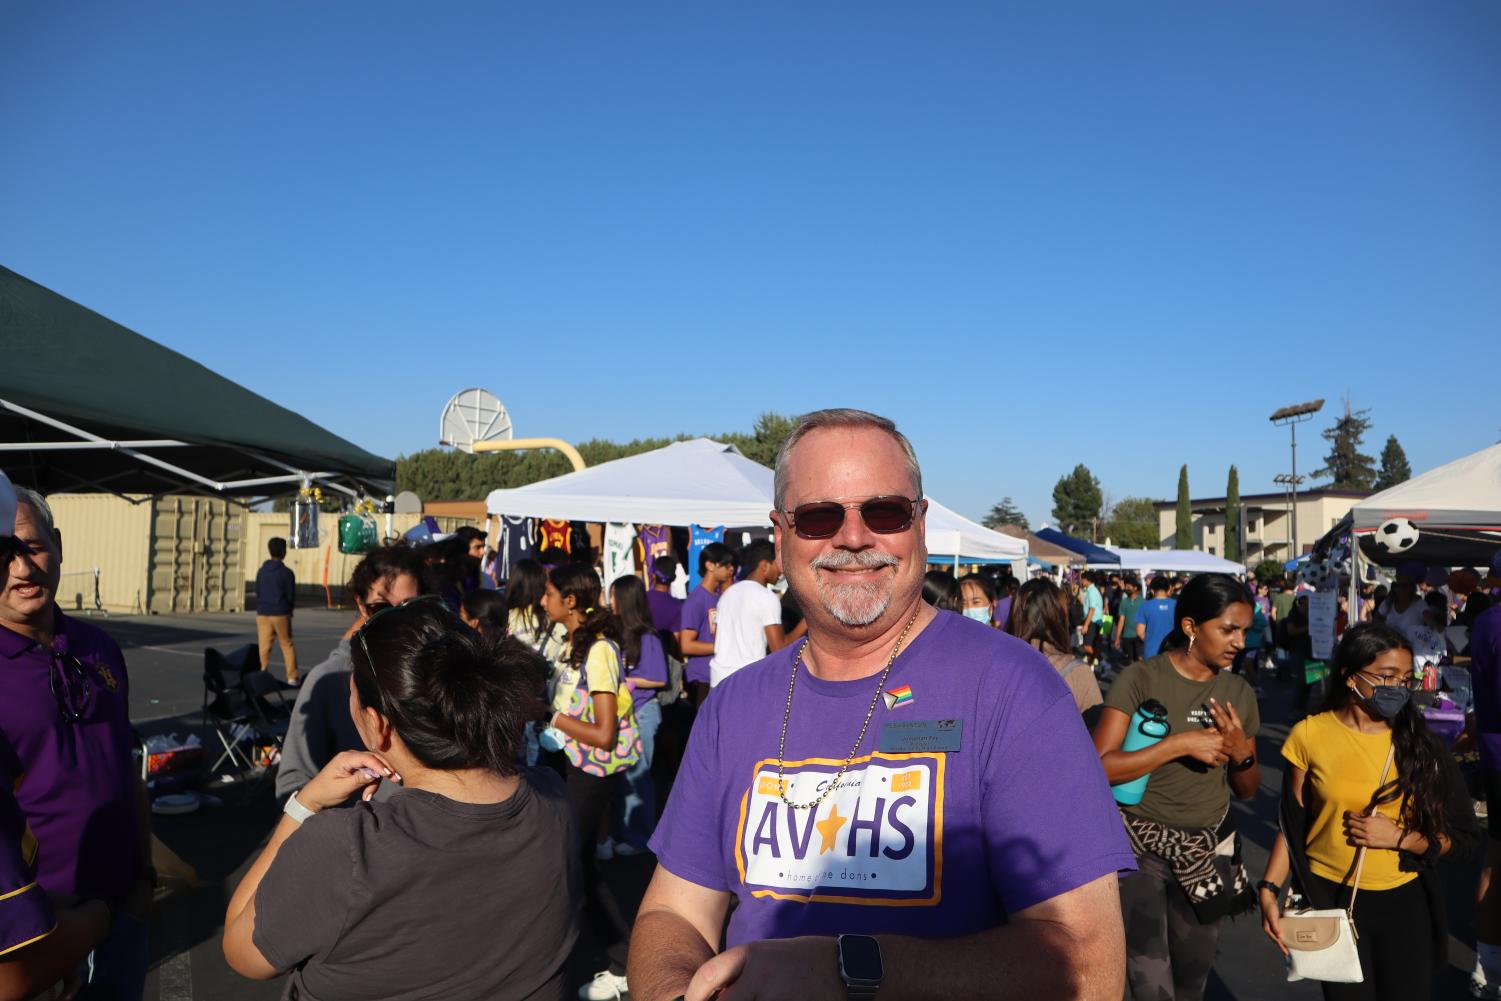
1184	793
320	726
422	897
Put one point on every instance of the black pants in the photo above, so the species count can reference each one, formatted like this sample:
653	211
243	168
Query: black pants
1396	943
1130	649
1168	952
591	797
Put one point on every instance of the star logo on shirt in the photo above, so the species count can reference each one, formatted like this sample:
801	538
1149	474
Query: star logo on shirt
106	677
828	830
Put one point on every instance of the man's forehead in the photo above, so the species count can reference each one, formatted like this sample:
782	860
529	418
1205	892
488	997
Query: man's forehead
29	523
846	463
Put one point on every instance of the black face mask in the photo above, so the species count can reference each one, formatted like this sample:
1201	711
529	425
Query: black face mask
1387	700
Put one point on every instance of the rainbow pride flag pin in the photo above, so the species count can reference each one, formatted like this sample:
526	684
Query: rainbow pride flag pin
898	697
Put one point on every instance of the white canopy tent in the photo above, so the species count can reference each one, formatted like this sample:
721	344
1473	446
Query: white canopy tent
953	538
1456	508
1170	561
705	482
700	481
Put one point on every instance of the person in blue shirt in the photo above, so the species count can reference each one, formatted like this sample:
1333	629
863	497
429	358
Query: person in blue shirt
1154	620
275	597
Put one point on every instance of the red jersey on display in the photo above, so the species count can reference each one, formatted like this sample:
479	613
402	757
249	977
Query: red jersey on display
556	535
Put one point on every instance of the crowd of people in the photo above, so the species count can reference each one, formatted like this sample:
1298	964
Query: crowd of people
864	800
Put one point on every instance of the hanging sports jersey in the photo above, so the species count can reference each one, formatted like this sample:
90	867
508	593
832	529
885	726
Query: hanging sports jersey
518	541
619	558
656	540
698	538
556	534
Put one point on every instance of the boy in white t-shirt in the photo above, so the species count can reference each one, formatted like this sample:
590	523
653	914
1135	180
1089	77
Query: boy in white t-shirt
750	616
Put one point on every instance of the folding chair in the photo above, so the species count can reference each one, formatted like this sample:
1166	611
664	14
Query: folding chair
271	714
226	711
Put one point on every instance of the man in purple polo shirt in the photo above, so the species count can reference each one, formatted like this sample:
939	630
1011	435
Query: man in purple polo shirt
906	804
65	731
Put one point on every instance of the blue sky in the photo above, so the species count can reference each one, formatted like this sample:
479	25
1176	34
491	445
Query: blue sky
1056	233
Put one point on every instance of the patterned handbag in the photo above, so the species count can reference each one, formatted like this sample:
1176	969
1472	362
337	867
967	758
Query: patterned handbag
603	761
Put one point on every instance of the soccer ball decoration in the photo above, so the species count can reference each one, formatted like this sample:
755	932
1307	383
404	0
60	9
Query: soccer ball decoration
1396	536
1315	575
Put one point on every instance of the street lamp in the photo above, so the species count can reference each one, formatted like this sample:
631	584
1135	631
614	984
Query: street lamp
1288	483
1292	417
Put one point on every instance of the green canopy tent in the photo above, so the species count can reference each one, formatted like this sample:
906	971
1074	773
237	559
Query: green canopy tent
89	405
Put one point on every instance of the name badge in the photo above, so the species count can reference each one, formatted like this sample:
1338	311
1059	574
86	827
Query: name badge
910	736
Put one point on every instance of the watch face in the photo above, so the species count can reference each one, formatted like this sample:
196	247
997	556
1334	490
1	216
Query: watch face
860	957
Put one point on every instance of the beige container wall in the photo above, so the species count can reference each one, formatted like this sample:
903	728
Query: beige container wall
308	565
171	554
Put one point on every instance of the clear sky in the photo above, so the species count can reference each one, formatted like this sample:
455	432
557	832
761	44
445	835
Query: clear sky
1033	234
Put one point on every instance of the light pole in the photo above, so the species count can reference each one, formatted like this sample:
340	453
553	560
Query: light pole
1292	417
1288	484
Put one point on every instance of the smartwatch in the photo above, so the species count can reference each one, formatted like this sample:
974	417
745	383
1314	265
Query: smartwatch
860	966
296	810
1243	764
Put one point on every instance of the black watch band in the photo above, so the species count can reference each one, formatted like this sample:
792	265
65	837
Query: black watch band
1244	763
1266	884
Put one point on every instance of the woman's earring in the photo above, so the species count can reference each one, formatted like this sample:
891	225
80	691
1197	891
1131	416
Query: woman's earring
1191	640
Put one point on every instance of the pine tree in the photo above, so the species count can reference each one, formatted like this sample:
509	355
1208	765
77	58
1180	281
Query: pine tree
1183	537
1394	467
1005	513
1077	500
1346	466
1232	517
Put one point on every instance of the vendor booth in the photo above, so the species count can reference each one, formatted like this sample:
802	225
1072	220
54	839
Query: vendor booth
1449	516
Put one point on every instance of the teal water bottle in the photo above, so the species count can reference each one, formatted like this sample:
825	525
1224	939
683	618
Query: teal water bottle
1148	725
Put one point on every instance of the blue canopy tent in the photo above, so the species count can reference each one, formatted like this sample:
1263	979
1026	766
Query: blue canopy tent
1093	554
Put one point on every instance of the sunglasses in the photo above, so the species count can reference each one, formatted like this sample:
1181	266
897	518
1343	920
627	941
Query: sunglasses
70	686
376	610
883	515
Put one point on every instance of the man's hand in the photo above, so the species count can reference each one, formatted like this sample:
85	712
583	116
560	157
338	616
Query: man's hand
771	970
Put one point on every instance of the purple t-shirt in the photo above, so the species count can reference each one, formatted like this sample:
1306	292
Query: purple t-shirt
650	666
700	613
1485	674
666	611
25	911
923	842
77	785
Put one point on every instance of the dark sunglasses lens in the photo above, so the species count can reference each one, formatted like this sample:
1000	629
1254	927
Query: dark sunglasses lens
888	514
817	521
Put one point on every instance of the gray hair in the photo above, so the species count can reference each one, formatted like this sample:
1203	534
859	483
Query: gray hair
25	495
842	417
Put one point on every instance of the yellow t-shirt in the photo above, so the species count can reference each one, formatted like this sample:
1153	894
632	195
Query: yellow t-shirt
1343	768
602	673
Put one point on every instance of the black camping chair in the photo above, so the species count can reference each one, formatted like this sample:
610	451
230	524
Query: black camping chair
226	710
271	714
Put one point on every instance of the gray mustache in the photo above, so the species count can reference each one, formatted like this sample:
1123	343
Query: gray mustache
843	559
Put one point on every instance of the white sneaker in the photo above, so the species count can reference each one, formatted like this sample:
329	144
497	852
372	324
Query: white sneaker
1480	989
605	986
604	851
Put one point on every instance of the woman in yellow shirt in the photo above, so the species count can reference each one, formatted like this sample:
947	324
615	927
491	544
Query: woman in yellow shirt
1330	793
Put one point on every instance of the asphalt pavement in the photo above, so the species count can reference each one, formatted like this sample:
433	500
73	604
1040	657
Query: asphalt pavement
164	655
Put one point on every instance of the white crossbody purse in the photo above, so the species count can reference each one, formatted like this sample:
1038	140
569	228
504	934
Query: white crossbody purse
1321	945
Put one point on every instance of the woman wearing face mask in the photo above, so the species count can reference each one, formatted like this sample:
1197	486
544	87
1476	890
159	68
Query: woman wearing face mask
1189	877
977	598
1330	796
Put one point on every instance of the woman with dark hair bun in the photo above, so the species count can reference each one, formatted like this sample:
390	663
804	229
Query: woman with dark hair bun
1189	877
458	884
1334	798
1038	618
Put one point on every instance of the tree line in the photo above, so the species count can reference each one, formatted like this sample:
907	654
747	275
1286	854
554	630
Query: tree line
1082	508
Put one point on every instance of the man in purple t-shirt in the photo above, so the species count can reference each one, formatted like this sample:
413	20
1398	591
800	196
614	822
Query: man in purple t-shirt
666	610
716	567
65	723
904	804
1485	673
